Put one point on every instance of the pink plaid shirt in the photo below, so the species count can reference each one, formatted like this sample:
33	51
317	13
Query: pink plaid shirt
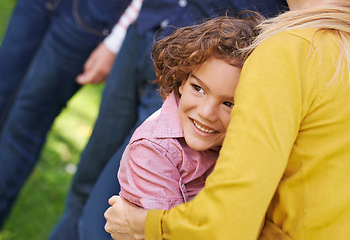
158	169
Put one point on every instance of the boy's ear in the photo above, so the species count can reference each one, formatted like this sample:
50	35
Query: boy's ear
181	87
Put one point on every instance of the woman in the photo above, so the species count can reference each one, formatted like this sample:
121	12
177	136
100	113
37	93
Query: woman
285	162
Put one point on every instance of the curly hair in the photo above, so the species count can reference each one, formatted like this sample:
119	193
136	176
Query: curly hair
177	55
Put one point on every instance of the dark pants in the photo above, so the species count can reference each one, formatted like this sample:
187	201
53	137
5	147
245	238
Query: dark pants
127	101
42	53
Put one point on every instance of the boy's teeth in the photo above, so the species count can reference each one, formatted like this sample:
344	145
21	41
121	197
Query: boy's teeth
202	129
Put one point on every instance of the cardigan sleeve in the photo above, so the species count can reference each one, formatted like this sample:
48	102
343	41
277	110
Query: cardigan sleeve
275	87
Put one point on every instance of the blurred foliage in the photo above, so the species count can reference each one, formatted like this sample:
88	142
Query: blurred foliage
6	7
42	198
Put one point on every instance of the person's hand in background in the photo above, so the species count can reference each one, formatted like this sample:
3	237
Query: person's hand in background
98	66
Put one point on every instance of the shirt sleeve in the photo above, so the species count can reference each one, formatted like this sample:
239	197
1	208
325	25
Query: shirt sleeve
149	176
264	125
115	39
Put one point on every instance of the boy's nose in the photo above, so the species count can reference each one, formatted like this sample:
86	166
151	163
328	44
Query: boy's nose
209	111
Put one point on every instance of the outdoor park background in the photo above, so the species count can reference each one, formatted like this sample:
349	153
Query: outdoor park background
41	200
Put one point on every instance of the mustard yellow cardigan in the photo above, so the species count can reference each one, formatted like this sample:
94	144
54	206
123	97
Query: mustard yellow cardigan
284	168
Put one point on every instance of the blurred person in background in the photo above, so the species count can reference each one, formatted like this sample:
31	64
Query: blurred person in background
43	51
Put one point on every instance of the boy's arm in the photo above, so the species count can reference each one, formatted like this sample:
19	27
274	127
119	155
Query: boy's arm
149	176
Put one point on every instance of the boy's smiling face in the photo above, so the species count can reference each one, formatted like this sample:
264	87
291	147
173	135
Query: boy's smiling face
206	102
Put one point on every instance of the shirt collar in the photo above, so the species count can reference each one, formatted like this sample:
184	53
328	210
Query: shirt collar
168	119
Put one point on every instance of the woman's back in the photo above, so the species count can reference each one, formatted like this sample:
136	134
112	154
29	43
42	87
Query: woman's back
313	193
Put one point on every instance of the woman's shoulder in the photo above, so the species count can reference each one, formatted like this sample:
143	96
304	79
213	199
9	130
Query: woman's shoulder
293	36
289	43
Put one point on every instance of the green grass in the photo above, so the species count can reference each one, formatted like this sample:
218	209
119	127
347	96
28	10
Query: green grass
6	7
41	200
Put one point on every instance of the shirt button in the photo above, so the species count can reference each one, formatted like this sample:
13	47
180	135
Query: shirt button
182	3
105	32
164	23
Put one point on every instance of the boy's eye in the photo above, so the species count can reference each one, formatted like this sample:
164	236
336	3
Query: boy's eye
197	88
229	104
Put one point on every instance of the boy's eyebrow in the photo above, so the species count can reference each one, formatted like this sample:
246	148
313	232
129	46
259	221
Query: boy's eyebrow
205	86
200	81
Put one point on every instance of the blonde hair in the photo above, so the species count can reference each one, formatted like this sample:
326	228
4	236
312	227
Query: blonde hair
334	19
